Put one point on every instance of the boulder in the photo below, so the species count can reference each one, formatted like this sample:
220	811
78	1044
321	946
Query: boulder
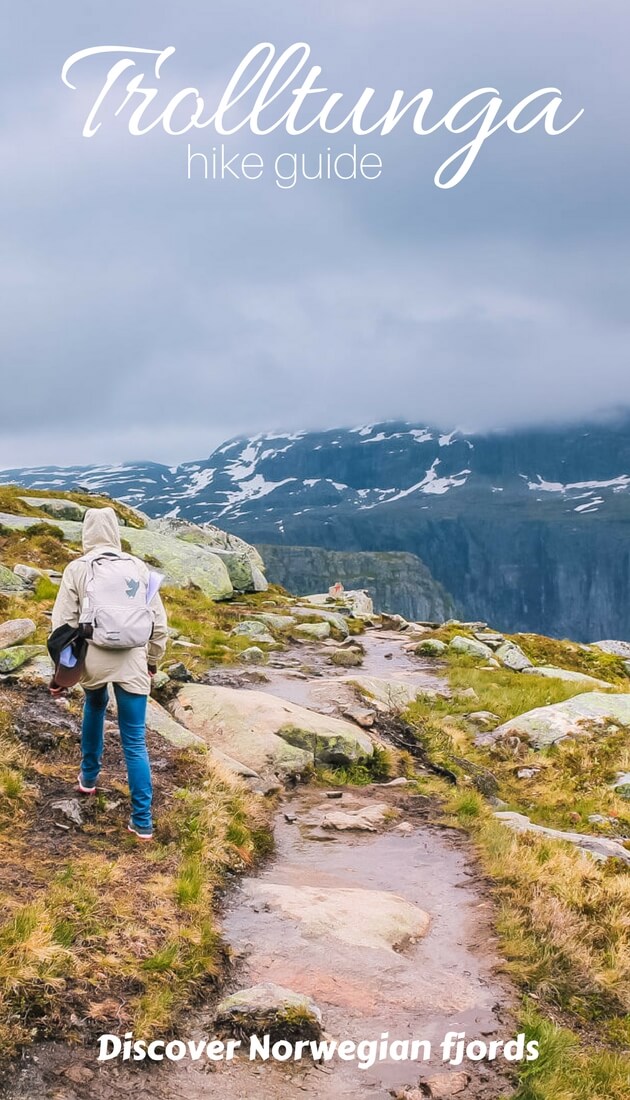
470	647
313	631
488	637
385	695
337	621
484	719
268	734
253	655
269	1009
57	507
16	631
565	674
362	716
346	658
393	622
430	647
258	632
371	919
597	846
29	574
275	622
546	725
512	656
182	563
242	561
13	658
10	584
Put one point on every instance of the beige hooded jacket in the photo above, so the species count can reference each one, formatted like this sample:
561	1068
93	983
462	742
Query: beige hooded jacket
127	667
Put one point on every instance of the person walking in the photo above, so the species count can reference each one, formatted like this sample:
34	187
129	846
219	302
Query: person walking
113	599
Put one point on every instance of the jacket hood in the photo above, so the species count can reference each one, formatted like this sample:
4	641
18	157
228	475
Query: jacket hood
100	528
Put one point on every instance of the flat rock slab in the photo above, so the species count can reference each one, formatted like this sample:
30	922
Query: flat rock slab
16	631
385	694
546	725
597	846
266	733
362	918
568	674
365	819
613	646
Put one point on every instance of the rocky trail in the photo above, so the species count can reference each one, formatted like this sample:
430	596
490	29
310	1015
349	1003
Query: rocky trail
367	908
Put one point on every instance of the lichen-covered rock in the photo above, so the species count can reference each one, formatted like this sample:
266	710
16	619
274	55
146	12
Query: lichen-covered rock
470	647
552	673
269	1009
57	507
512	656
250	628
336	621
274	621
243	562
346	658
268	734
430	647
13	658
10	584
253	655
16	631
546	725
314	631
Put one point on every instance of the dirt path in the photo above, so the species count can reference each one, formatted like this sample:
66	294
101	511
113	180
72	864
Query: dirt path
417	990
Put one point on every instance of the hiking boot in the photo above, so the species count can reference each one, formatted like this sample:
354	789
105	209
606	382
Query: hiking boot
81	788
141	833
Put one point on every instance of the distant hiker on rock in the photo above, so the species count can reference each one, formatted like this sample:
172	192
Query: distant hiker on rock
111	599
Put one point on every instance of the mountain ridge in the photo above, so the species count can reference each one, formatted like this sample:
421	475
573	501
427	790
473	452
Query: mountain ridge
528	528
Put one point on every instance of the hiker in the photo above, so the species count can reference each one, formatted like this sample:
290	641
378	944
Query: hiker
111	599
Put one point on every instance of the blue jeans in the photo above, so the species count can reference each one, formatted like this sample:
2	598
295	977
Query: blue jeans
132	711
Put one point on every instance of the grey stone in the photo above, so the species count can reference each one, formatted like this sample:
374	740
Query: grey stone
258	632
70	808
269	1009
266	733
313	631
546	725
568	674
253	656
10	584
431	647
13	658
56	507
512	656
15	631
596	846
470	647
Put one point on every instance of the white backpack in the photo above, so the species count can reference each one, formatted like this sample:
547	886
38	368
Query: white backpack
116	601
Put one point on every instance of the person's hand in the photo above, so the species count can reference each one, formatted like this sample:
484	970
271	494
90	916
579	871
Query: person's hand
152	670
55	690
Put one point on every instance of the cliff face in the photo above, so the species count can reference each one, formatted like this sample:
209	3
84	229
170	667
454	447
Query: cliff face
526	529
397	582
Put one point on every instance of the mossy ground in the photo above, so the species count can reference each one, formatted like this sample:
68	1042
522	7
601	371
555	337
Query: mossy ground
99	933
10	501
563	918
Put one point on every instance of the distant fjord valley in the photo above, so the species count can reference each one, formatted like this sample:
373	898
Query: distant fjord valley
528	529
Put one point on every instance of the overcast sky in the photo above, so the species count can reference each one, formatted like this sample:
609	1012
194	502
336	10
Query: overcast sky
147	316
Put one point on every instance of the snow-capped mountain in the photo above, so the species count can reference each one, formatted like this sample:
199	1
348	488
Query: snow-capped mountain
527	528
